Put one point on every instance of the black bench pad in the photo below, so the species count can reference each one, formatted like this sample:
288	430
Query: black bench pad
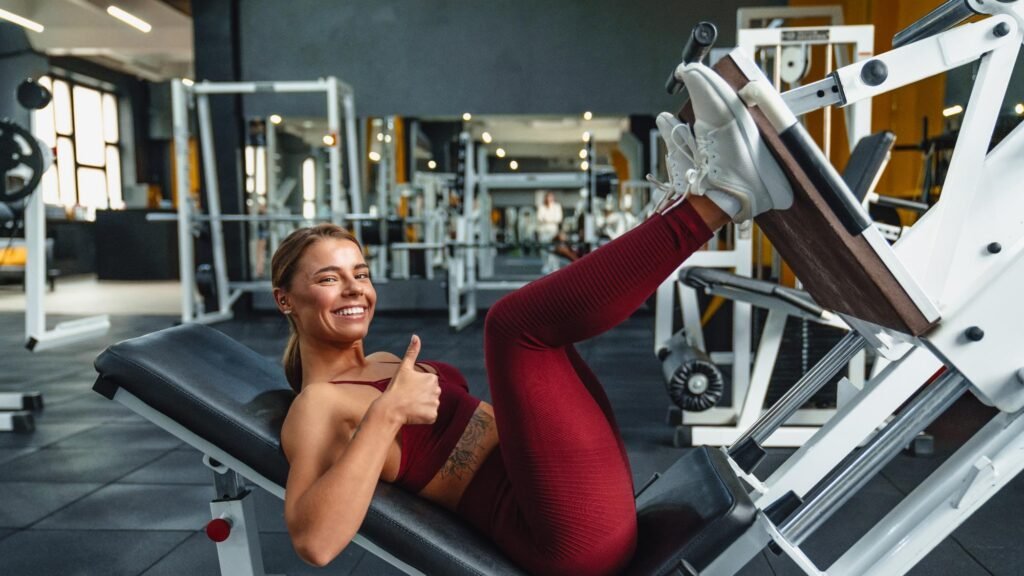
237	399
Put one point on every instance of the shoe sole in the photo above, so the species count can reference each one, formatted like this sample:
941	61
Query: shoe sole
768	170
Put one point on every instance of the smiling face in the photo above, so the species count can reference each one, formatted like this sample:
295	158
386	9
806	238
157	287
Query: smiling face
330	297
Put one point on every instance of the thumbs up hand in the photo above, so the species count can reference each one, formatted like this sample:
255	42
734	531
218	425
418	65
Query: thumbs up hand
412	396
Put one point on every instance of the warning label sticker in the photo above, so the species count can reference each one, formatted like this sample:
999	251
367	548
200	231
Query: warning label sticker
815	35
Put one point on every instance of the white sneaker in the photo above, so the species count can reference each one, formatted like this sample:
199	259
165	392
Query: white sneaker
734	167
681	146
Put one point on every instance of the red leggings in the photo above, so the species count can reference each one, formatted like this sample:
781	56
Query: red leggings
557	496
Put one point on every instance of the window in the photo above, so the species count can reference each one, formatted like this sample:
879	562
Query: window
81	124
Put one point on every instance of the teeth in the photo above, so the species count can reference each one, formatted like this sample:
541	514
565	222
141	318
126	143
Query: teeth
354	311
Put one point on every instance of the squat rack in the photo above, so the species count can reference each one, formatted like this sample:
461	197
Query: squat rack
183	97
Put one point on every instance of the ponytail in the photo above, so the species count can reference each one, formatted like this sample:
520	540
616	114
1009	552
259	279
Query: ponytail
292	361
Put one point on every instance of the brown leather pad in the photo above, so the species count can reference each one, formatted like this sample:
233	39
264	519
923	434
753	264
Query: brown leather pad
841	271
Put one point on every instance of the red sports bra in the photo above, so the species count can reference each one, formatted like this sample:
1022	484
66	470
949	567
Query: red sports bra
426	447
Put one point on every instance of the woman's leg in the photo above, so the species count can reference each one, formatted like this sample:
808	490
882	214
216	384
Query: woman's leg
564	457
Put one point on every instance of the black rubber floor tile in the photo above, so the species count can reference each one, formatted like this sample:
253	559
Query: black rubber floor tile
12	453
371	565
84	553
949	558
88	408
993	533
45	434
25	503
177	467
77	465
269	511
136	507
198	555
142	436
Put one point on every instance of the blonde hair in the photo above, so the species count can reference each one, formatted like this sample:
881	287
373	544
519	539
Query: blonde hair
282	269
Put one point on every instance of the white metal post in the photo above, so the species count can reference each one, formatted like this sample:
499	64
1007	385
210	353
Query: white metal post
180	96
485	253
35	266
352	149
334	152
220	266
471	216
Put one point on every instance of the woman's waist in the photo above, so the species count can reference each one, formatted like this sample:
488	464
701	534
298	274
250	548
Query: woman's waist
478	441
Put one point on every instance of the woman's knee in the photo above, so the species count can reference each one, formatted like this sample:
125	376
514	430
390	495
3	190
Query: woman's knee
501	317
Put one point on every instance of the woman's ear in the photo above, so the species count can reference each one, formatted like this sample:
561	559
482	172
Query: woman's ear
281	300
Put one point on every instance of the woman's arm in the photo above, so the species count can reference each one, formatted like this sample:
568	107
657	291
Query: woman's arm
329	487
333	477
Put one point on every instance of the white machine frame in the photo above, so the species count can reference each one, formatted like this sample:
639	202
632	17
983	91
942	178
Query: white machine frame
183	97
721	426
974	230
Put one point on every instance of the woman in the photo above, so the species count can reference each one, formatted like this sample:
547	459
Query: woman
543	471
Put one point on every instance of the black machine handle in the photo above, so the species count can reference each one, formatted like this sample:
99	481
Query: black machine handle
702	38
949	14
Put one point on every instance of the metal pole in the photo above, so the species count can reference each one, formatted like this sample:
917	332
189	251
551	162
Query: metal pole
220	269
334	152
352	147
186	259
468	199
836	488
35	266
273	202
803	390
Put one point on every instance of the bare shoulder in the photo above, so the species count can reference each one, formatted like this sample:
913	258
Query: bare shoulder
317	410
383	357
389	358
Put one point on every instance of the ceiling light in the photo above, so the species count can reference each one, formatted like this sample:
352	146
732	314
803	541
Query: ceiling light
380	136
586	136
1019	109
486	137
952	111
187	81
513	165
583	153
275	119
467	117
431	164
500	152
129	19
375	156
588	115
387	138
21	21
329	140
584	165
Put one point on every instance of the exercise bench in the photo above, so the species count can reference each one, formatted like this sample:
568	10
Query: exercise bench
229	403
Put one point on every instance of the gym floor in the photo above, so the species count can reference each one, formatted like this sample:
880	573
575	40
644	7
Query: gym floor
98	490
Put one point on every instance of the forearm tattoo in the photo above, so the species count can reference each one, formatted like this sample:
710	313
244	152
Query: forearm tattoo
463	459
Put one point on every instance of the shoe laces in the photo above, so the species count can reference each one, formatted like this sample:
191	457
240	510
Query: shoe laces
694	151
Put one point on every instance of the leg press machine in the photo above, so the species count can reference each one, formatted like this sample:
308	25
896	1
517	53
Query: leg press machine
941	306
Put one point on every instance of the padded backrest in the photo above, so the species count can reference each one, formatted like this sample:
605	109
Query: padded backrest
237	399
866	162
209	383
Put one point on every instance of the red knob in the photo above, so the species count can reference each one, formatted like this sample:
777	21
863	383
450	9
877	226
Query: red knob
218	529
